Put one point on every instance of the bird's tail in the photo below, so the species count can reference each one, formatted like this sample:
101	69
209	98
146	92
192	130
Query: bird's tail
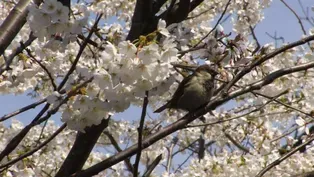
161	108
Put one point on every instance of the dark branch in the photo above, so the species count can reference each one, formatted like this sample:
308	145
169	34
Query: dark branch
140	135
152	166
13	24
26	108
29	153
282	158
81	149
117	147
181	123
78	56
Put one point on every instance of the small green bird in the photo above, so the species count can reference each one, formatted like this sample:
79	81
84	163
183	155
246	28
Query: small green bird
194	90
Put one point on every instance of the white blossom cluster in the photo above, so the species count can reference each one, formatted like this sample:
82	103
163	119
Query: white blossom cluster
234	164
49	159
121	76
244	14
50	23
46	160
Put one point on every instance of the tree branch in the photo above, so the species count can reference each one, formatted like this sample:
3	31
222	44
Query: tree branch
78	56
257	62
181	123
13	24
38	120
21	110
29	153
242	115
20	136
6	65
152	166
117	147
220	18
278	161
81	149
44	68
236	143
140	135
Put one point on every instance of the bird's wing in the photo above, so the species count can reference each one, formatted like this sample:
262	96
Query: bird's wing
176	96
179	92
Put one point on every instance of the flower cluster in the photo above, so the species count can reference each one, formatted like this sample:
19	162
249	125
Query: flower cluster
51	23
43	161
120	78
227	164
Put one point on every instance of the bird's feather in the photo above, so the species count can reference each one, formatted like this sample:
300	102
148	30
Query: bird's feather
193	91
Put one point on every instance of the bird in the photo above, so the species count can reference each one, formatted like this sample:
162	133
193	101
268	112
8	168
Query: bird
194	91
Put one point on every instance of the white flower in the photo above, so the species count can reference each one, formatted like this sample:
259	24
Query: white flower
149	54
127	48
119	106
38	19
103	79
56	28
143	84
162	28
49	6
61	14
110	52
170	55
146	71
303	125
54	98
84	72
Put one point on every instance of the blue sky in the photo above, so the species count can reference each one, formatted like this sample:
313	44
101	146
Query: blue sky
278	19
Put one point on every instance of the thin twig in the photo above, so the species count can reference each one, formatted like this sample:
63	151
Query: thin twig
42	131
299	20
117	147
179	167
38	120
258	46
140	135
258	62
9	60
190	50
70	94
284	157
239	116
152	166
20	136
220	18
305	13
201	13
275	38
93	43
29	153
289	132
184	148
21	110
170	150
296	15
236	143
78	56
285	105
43	67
